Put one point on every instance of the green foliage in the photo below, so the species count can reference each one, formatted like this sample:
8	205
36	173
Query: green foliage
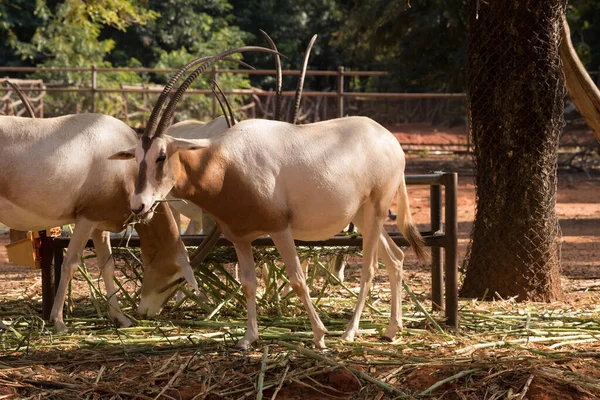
423	47
184	30
199	106
201	27
584	20
291	24
67	34
17	21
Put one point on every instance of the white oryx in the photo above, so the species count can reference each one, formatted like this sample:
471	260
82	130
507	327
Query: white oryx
291	182
56	171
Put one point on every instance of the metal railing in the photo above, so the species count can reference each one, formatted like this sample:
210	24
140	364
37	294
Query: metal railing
339	93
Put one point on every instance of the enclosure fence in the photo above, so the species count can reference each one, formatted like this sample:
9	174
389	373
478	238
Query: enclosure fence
441	238
132	102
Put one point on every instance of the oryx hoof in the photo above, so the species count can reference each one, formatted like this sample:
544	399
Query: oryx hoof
243	345
59	326
348	336
123	322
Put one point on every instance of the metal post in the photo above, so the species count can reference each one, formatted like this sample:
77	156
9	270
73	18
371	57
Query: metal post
340	92
58	261
43	94
94	74
46	254
213	76
437	274
451	257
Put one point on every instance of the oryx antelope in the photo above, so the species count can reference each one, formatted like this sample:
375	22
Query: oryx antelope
56	171
290	182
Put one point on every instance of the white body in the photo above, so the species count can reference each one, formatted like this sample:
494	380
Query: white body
291	182
56	171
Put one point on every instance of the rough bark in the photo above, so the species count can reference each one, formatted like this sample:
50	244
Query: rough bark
515	93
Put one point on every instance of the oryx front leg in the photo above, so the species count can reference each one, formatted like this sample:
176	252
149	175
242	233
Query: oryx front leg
370	228
284	242
248	279
83	230
106	263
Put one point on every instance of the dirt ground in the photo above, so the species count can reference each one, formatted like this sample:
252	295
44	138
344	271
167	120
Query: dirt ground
578	210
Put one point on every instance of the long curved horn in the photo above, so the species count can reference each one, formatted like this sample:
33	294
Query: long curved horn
278	78
228	117
165	93
170	110
23	98
301	80
222	107
205	247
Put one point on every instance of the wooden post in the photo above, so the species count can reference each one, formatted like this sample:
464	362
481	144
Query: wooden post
437	274
94	75
48	286
340	91
451	249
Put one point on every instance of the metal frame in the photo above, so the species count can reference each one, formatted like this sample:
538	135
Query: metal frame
437	238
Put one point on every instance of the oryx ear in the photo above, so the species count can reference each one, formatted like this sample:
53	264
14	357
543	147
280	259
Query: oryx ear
123	155
190	144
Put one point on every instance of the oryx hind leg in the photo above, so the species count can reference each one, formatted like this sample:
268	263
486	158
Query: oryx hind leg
81	233
393	258
106	263
369	221
248	280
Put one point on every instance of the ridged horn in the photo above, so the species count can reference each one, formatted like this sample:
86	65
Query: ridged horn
278	78
228	117
205	247
301	81
23	98
170	110
165	93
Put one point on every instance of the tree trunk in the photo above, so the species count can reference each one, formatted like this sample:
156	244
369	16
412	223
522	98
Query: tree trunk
515	94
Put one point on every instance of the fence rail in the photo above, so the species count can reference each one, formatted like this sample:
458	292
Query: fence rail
441	237
339	93
136	101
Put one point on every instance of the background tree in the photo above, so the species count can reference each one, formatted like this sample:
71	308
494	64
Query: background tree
198	27
584	21
182	31
515	91
291	24
67	34
423	47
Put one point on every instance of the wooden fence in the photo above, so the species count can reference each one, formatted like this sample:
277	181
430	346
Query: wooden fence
328	104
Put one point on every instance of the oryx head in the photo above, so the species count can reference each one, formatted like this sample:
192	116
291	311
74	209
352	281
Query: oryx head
157	153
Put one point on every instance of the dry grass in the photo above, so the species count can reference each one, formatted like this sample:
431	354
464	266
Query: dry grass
504	350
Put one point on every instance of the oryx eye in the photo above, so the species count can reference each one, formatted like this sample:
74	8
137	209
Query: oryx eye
161	157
